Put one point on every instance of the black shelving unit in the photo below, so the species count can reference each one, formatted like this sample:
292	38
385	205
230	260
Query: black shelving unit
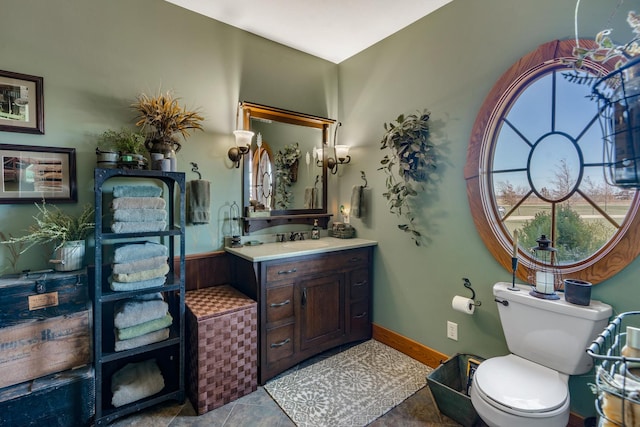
169	354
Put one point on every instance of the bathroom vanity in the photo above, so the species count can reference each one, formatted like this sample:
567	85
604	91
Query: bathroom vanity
312	295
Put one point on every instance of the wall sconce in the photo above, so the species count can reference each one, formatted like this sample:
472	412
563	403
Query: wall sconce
243	145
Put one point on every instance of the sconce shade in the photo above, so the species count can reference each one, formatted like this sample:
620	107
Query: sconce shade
342	153
243	145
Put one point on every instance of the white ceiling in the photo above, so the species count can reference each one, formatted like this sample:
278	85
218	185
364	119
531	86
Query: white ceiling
330	29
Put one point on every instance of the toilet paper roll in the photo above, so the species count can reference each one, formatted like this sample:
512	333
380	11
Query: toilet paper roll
463	305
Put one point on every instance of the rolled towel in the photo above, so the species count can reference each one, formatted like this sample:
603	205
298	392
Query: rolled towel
130	215
141	275
138	226
136	251
136	191
134	286
146	339
144	328
138	203
136	381
132	312
138	265
356	201
199	201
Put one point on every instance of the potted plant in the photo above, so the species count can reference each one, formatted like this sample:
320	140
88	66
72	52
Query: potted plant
67	232
286	162
414	155
128	144
618	95
162	118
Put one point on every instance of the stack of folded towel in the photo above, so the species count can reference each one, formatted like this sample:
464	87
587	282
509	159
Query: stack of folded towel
138	208
139	266
142	320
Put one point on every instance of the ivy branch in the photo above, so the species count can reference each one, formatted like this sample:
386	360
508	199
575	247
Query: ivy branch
411	151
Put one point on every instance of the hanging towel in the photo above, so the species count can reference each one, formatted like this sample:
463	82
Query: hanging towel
136	191
356	201
129	215
146	339
135	251
138	265
309	198
199	200
136	381
138	203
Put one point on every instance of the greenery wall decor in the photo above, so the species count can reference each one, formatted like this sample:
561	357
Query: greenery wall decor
285	161
408	140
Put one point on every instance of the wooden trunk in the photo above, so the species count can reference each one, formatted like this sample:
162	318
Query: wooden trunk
65	399
40	347
41	296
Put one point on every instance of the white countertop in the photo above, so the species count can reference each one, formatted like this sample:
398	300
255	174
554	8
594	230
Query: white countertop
271	251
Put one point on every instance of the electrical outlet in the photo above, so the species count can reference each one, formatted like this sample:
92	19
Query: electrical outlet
452	330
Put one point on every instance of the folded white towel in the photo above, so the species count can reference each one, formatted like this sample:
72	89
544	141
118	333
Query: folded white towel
136	251
138	203
133	312
138	265
146	339
134	286
138	226
136	381
144	214
141	275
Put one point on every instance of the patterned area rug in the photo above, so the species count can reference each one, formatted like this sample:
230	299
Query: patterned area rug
351	388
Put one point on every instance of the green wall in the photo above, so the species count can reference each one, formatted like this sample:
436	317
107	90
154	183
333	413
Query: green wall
447	62
96	56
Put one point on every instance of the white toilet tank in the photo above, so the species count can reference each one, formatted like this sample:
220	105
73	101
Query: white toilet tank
552	333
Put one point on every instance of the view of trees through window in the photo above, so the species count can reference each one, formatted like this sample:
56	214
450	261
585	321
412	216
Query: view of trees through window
548	171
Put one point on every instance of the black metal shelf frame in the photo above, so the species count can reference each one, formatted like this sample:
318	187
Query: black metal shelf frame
173	349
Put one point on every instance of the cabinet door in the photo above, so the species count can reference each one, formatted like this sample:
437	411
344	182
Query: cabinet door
321	310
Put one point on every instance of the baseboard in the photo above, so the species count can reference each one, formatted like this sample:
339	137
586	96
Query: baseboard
411	348
430	357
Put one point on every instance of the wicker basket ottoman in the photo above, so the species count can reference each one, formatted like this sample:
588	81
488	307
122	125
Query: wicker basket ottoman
222	351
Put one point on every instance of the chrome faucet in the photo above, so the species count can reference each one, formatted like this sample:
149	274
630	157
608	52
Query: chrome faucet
296	235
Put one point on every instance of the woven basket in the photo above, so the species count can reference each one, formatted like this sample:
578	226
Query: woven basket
345	233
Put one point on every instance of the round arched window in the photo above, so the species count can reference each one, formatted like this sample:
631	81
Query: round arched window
535	164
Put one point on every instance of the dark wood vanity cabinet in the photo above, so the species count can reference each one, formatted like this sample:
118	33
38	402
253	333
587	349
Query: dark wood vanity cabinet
307	304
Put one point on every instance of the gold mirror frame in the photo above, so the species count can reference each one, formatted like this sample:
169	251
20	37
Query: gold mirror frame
251	110
615	255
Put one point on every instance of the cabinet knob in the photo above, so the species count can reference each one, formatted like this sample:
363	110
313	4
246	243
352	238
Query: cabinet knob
360	316
364	282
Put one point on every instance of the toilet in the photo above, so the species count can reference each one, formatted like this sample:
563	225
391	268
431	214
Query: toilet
548	341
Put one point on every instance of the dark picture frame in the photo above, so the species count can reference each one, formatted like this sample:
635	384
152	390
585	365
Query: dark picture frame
33	174
21	103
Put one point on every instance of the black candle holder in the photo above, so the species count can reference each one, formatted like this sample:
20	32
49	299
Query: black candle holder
514	267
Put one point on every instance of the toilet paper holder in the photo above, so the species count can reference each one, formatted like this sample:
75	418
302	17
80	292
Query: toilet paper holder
467	284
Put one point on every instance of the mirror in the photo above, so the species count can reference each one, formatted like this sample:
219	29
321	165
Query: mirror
283	176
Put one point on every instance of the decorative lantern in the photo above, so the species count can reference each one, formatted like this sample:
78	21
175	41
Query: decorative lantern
544	275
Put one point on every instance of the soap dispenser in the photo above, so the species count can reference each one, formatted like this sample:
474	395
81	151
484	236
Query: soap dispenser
315	231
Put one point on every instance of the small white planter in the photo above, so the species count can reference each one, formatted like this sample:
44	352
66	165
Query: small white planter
69	256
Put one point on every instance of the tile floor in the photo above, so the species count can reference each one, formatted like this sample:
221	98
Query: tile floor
259	409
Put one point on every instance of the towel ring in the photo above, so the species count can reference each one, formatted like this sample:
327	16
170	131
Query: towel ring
364	177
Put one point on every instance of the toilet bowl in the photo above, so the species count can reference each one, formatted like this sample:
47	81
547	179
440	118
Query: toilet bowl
547	340
512	391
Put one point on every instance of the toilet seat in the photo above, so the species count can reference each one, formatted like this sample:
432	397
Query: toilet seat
520	387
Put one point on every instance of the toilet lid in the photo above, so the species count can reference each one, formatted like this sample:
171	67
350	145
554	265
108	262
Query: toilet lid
521	385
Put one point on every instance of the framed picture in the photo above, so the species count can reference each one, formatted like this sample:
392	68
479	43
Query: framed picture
31	174
21	103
